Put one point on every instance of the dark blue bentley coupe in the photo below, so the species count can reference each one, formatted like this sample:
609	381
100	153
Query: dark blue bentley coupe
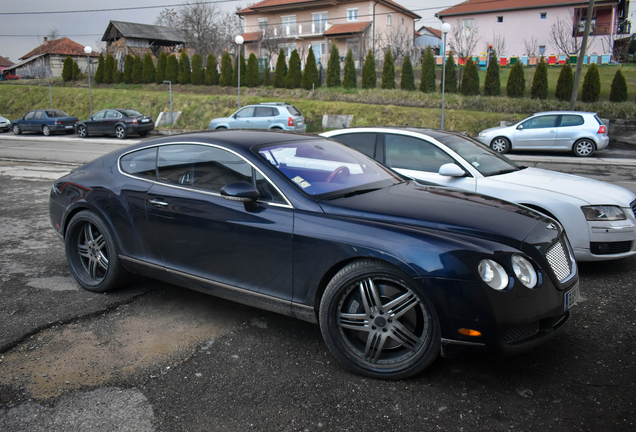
393	271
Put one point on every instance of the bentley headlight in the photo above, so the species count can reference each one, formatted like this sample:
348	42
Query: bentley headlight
493	274
603	213
524	271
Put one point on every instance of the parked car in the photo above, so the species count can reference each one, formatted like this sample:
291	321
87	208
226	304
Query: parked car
120	122
45	121
394	272
598	217
580	132
5	124
270	115
7	76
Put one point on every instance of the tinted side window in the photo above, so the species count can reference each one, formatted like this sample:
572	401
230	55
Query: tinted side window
263	112
363	142
267	191
99	115
38	115
414	154
245	112
29	115
293	110
112	114
140	163
571	120
547	121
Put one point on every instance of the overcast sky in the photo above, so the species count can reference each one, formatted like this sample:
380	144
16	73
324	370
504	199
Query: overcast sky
19	34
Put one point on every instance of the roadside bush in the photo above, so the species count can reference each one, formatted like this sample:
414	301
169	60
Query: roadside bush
138	71
76	71
310	75
67	69
369	76
350	79
160	74
252	75
129	62
591	90
388	71
118	76
470	80
226	70
451	75
198	74
267	76
183	77
407	80
619	88
211	74
281	70
109	65
235	72
516	86
565	83
492	84
172	68
333	67
149	70
294	75
539	89
427	85
99	73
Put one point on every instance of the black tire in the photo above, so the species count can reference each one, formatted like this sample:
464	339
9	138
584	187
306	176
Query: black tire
120	132
584	147
500	145
221	128
16	129
46	131
92	254
82	132
354	327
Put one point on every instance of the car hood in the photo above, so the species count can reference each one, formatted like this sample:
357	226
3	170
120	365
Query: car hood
498	129
588	190
440	208
221	120
3	120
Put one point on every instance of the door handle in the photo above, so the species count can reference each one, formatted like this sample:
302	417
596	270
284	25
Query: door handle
553	131
158	202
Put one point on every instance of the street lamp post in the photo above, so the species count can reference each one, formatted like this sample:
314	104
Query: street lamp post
445	29
170	83
239	41
88	50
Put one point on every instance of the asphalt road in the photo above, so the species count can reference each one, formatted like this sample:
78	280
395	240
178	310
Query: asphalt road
155	357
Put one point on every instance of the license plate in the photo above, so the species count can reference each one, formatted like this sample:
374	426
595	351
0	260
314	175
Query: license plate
571	297
145	120
69	127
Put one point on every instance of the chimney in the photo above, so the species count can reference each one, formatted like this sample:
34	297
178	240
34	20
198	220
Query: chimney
46	40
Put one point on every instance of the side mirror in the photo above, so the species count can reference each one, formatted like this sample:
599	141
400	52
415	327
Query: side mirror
451	170
520	127
240	191
234	116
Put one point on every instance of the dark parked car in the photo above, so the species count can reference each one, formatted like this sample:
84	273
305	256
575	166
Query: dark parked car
119	122
393	271
45	121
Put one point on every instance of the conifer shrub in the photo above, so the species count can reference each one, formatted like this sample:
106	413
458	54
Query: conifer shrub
565	83
198	74
67	69
76	71
591	90
333	67
118	76
252	74
350	79
235	72
281	70
109	65
388	71
149	70
450	84
99	73
129	62
539	88
160	74
470	80
138	71
516	86
427	84
618	93
267	76
407	80
294	75
310	80
172	68
211	72
492	84
369	76
225	79
183	77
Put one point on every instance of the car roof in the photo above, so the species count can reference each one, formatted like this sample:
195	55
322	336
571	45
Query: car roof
433	133
565	112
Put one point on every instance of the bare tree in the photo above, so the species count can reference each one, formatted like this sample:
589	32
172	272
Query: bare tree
399	39
463	41
498	44
168	18
532	46
53	34
270	42
563	36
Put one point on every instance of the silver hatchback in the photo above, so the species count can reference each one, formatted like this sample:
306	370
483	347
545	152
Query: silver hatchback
580	132
269	115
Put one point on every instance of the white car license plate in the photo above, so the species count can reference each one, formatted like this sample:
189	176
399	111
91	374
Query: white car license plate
571	297
68	127
145	120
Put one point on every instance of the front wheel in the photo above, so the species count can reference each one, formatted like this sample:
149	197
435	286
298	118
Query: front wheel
16	129
378	322
92	254
82	132
120	132
584	148
500	145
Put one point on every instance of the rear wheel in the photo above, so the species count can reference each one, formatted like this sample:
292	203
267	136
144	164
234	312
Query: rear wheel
120	132
16	129
584	147
82	132
500	145
378	322
46	130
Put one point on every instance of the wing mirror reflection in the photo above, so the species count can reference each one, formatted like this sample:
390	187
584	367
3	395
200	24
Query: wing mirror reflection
451	170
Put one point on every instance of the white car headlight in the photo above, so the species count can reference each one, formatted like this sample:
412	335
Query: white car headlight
493	274
524	271
603	213
482	134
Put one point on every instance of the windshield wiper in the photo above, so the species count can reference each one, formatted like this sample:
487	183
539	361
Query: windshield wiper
505	171
352	193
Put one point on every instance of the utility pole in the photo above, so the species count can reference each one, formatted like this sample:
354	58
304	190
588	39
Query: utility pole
579	59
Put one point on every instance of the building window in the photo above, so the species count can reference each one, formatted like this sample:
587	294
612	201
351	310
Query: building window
262	23
544	15
499	19
352	14
388	19
353	45
289	25
541	49
468	26
318	22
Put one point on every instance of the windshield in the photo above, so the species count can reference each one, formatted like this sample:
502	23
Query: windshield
482	158
323	167
131	113
56	113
